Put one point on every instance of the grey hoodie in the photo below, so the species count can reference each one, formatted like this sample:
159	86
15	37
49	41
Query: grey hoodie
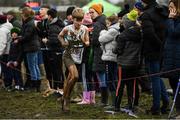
5	38
108	43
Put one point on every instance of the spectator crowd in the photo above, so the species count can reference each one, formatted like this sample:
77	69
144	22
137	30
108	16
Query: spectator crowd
104	53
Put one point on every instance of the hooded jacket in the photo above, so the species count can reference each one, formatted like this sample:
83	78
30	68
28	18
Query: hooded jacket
30	39
108	43
153	28
171	53
128	47
55	27
5	38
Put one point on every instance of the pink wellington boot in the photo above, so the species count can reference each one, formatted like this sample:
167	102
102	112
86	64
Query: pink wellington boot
86	98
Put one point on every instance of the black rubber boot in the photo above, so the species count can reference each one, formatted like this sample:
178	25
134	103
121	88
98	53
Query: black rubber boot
38	83
104	96
117	104
113	97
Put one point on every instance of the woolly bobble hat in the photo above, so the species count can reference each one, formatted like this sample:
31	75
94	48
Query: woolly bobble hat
97	8
15	30
148	1
127	23
87	19
139	6
132	15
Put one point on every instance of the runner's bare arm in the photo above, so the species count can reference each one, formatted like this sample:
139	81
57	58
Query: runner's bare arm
61	37
85	38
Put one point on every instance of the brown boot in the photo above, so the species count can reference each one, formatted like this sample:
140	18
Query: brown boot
42	71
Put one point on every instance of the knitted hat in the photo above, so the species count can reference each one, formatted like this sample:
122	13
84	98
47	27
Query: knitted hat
97	8
101	7
127	23
52	12
148	1
87	19
15	30
132	15
69	11
139	6
3	19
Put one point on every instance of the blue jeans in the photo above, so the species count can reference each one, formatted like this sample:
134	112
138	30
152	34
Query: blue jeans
32	60
158	87
40	58
101	79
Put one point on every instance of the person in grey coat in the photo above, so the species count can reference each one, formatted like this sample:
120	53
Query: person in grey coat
5	42
108	44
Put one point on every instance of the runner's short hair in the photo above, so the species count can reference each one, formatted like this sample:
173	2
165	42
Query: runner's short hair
78	13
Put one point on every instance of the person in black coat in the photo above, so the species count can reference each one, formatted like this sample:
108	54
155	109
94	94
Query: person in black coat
15	58
128	57
98	65
31	45
153	28
54	48
43	57
171	56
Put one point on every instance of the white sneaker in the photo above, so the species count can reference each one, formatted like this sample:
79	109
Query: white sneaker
21	89
17	87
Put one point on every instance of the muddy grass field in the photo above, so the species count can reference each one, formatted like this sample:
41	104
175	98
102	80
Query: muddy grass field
29	105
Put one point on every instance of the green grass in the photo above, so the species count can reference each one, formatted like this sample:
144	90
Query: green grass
29	105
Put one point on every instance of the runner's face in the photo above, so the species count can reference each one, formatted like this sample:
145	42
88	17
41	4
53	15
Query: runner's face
77	22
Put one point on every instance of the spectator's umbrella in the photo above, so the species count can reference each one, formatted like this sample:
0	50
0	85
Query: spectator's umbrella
109	8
